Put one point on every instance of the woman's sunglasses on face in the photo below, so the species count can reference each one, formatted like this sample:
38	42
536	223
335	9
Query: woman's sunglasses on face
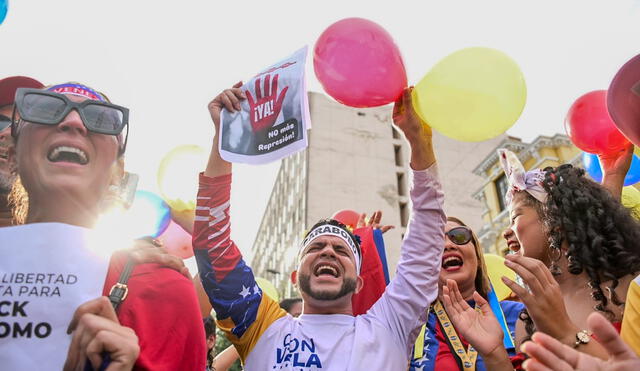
459	235
50	108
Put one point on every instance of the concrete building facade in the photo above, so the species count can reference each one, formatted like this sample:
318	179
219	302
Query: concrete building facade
357	160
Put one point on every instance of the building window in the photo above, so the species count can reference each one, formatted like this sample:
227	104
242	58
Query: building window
397	149
501	190
401	184
395	133
404	214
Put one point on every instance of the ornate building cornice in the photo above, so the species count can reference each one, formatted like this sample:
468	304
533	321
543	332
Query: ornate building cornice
510	143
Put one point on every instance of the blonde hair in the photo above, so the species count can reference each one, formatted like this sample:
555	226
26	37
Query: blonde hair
18	202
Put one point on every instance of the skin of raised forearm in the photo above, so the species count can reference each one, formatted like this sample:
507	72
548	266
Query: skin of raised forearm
422	154
613	183
216	166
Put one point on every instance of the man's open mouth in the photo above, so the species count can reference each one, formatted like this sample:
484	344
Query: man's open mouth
326	269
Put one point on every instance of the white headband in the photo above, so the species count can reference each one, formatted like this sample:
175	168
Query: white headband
333	230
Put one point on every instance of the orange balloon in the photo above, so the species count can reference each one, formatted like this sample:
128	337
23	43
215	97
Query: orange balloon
347	217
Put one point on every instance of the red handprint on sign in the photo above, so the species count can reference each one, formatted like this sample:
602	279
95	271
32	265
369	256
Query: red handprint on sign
264	110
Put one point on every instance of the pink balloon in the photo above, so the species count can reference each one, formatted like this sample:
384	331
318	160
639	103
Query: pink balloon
590	127
359	64
623	100
177	241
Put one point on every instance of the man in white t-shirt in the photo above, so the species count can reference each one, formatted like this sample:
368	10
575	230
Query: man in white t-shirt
327	336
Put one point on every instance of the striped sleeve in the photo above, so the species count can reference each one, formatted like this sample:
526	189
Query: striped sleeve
241	309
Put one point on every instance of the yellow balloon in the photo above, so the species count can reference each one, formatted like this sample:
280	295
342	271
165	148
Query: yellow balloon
636	151
631	200
496	269
268	288
178	176
471	95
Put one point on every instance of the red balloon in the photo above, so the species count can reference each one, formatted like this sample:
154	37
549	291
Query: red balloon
623	100
177	241
590	127
359	64
347	217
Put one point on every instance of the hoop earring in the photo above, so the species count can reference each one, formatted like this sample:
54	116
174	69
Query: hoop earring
555	268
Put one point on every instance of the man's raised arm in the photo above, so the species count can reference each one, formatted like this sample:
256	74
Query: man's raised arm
403	305
241	309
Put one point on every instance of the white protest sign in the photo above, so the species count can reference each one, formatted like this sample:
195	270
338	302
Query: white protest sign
46	271
274	118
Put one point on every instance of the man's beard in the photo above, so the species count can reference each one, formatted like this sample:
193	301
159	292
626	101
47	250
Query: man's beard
348	286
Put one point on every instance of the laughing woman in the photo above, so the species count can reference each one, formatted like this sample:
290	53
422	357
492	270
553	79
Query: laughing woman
69	150
462	263
579	253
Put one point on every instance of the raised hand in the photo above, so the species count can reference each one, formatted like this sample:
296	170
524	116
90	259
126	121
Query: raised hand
480	328
406	118
264	110
145	251
417	133
548	353
96	332
229	99
617	163
614	169
543	300
373	222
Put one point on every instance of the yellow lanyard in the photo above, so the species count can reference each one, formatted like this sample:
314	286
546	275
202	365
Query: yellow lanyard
468	357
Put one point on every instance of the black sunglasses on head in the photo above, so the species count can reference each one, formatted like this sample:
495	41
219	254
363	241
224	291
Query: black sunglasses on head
50	108
459	235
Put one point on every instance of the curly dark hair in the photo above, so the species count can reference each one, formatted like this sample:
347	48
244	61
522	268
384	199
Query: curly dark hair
601	235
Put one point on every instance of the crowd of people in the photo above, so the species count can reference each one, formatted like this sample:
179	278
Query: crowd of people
573	244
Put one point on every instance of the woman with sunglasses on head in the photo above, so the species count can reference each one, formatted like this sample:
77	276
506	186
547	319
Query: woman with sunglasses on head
462	263
69	146
579	253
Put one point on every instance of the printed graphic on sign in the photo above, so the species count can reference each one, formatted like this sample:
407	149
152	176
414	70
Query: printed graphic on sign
266	106
46	271
273	121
